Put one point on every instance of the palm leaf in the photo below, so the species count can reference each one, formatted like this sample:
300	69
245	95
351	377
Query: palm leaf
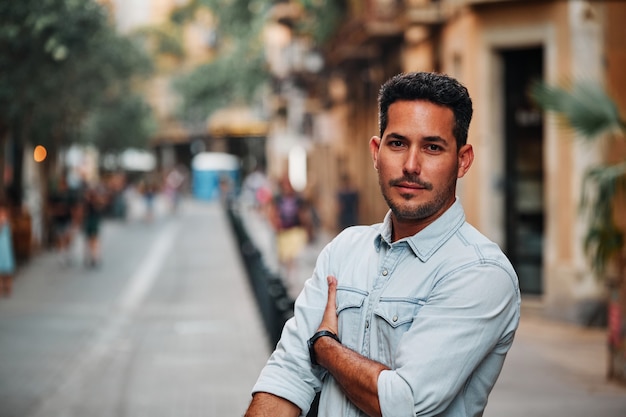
603	238
586	107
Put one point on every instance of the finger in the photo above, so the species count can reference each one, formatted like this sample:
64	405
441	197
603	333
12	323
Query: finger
331	305
329	320
332	293
331	280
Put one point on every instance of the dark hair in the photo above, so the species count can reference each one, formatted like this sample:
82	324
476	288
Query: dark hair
436	88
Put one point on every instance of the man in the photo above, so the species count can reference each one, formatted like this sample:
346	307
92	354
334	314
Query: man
416	314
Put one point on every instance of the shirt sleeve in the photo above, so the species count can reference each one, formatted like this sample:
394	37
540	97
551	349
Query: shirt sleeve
470	315
288	372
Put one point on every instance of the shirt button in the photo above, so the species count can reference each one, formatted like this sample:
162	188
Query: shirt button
367	324
395	319
385	272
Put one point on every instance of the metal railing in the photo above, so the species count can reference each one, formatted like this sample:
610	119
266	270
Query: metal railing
273	300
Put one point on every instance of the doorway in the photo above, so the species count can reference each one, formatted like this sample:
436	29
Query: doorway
524	167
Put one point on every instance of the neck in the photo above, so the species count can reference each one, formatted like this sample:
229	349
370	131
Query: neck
405	227
402	229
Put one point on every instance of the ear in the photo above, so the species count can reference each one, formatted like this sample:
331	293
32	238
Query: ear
465	158
374	148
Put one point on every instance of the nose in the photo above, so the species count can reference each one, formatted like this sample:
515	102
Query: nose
412	162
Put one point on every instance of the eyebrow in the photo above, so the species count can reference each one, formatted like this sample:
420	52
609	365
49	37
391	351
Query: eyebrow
395	136
431	139
435	139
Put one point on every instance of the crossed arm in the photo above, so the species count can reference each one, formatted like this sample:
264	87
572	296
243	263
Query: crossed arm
356	374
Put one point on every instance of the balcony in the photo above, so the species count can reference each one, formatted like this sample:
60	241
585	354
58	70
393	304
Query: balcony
437	12
371	24
426	13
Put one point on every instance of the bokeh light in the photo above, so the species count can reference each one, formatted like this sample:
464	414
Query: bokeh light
40	153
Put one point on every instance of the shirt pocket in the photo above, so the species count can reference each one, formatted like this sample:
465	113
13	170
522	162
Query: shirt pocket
394	318
350	313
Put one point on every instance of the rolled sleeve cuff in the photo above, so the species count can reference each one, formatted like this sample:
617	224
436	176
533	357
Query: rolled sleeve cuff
275	382
394	395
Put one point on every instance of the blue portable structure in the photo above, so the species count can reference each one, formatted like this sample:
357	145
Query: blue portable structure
208	168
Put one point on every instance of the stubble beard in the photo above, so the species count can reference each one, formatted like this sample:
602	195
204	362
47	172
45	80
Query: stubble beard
410	212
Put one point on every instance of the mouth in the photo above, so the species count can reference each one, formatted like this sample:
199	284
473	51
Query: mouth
410	186
404	186
408	191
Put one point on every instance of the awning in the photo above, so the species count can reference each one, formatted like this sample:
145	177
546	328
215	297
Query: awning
170	133
237	121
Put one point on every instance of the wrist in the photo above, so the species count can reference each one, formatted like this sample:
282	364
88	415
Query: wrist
314	338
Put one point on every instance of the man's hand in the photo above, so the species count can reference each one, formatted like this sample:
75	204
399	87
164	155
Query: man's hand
356	374
329	320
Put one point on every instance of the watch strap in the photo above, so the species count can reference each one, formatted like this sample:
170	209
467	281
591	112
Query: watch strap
313	339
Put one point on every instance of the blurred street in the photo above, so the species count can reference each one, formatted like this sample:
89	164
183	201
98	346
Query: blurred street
556	370
167	325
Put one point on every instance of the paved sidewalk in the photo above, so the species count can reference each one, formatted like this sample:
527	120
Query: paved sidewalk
167	326
556	369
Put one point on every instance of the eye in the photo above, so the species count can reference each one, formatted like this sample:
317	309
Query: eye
431	147
395	143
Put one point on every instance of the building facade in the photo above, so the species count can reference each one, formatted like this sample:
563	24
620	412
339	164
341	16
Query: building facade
524	188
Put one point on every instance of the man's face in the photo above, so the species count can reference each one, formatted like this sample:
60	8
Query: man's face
418	163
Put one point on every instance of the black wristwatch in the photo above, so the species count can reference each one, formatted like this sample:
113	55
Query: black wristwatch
313	339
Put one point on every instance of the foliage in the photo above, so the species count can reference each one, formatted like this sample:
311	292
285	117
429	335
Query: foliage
592	113
238	71
165	39
59	59
120	122
322	18
603	239
38	41
220	83
586	107
100	77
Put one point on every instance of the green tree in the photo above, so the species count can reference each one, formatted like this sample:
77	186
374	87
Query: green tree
321	18
120	122
97	87
233	78
59	59
238	70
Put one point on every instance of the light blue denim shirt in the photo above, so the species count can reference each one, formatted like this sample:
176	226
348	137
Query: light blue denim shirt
439	308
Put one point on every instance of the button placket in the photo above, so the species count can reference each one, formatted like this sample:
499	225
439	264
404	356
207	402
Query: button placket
387	258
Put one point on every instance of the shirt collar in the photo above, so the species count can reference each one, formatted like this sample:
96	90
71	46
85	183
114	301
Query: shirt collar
432	237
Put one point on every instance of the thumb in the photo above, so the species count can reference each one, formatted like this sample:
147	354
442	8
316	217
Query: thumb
332	291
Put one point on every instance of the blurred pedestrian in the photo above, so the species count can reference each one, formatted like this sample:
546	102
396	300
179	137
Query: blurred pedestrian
94	203
7	256
348	202
117	195
413	316
64	212
289	217
256	189
174	181
149	191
